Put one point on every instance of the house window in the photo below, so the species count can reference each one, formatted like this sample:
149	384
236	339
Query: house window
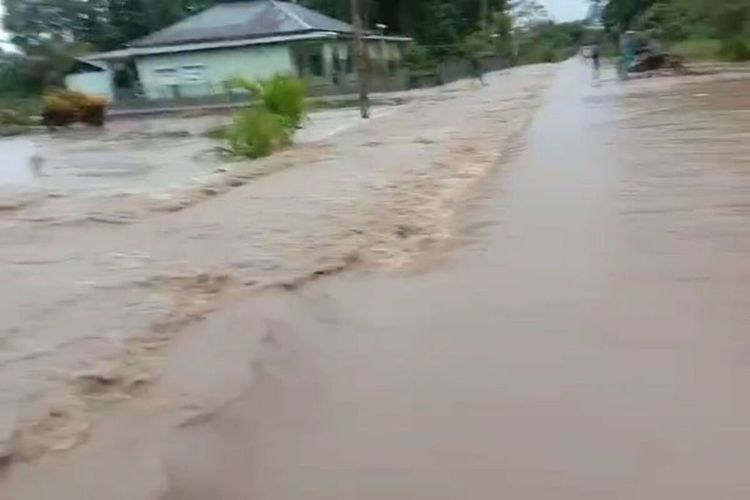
316	64
194	73
302	70
336	61
166	76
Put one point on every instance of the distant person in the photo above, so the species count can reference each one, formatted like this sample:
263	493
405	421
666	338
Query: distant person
596	60
628	51
36	163
476	68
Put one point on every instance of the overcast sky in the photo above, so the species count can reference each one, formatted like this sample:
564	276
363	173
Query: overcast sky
2	11
565	10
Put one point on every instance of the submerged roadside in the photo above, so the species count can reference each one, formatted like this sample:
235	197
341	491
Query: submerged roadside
94	308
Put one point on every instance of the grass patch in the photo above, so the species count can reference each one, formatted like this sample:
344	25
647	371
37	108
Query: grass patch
14	118
12	130
698	50
736	49
26	106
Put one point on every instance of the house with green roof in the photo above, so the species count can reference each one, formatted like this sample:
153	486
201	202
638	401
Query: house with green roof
254	39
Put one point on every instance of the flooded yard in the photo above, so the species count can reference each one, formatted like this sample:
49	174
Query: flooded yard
137	155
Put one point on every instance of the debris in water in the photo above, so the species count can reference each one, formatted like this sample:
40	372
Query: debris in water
58	427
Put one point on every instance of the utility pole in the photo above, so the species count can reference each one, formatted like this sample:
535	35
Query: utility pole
485	13
359	54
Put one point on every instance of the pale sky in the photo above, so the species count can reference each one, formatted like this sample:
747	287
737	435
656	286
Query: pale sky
3	34
2	11
565	10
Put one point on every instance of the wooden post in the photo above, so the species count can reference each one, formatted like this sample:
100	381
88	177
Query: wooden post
485	15
359	54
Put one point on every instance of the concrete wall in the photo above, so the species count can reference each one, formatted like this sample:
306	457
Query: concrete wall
193	74
385	50
97	83
203	73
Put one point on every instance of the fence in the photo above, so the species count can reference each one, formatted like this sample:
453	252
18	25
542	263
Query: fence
217	96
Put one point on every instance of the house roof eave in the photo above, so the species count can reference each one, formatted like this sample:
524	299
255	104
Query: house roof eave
133	52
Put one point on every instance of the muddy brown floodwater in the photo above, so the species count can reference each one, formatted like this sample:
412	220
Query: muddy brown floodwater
587	339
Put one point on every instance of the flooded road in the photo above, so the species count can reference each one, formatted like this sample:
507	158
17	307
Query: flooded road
585	338
98	303
590	341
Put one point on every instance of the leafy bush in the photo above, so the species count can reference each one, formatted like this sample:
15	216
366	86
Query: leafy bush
285	96
257	132
666	20
58	111
63	108
419	59
735	49
92	111
282	95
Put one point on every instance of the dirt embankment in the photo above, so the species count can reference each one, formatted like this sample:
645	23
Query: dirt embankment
89	308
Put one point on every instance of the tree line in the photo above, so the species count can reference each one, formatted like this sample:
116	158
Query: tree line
53	32
108	24
672	21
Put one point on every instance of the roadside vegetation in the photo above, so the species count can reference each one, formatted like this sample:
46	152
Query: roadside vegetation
277	109
50	34
63	108
13	123
694	29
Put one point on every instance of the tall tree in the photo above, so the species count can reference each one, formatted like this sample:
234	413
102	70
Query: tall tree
103	24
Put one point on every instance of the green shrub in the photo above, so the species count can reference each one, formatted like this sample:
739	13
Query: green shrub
14	117
698	49
257	132
735	49
65	107
420	59
239	82
282	95
58	111
285	96
12	130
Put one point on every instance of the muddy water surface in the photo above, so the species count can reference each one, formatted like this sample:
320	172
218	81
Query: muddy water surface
590	340
587	341
139	155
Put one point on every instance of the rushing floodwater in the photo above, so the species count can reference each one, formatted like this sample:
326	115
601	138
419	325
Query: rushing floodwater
140	155
590	343
17	154
587	342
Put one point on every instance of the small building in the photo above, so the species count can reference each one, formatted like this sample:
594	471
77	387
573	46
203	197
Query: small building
91	77
255	39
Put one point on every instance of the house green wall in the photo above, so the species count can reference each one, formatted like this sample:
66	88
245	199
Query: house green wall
96	83
204	72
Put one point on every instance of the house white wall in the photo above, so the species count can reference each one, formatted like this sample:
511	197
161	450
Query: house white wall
97	83
199	73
